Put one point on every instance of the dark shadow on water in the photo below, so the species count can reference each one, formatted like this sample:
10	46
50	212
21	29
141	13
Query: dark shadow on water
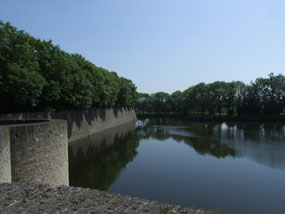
97	161
102	160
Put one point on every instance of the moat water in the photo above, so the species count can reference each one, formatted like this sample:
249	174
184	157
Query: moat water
235	167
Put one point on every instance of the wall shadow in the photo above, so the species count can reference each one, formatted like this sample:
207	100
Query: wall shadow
96	162
81	123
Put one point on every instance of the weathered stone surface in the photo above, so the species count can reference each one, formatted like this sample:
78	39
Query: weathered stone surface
34	151
5	157
82	123
39	153
32	198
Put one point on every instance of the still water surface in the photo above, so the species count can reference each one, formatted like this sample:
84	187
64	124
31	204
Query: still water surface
238	167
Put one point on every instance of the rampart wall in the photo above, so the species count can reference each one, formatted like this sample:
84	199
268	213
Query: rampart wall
5	157
82	123
34	152
34	146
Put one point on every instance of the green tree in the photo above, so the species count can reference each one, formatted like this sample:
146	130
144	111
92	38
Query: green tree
106	88
216	96
144	102
127	94
177	102
274	94
198	98
38	75
20	83
161	102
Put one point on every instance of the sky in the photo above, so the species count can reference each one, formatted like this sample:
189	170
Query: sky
162	45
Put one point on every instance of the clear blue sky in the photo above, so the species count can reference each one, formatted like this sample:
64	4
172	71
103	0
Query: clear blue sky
162	45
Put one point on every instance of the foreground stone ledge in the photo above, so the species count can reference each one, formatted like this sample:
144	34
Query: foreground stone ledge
33	198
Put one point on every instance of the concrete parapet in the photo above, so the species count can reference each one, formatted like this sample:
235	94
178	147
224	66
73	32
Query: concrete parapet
5	157
38	148
39	151
82	123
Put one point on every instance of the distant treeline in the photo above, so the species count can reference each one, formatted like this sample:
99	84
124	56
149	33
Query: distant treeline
36	75
264	96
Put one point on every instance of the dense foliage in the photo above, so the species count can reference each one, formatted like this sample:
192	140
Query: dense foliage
264	96
36	75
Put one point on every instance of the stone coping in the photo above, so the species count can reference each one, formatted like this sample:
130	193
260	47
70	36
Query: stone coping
34	198
20	122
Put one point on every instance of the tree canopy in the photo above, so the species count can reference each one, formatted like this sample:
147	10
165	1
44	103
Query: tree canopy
264	96
37	75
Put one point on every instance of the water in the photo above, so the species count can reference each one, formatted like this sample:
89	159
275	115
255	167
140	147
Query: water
237	167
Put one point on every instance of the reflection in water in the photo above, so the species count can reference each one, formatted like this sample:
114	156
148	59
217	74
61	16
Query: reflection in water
202	145
97	161
263	143
209	165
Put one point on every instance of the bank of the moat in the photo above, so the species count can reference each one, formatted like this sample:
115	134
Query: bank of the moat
213	118
32	198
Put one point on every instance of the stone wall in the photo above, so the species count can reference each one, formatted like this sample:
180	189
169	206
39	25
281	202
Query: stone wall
38	148
106	137
39	152
5	158
82	123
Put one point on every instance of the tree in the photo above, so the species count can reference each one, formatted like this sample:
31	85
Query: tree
216	96
177	102
127	92
106	88
197	97
161	102
275	91
230	97
20	83
38	75
144	102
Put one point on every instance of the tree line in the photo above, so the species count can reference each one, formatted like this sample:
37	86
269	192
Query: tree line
37	75
264	96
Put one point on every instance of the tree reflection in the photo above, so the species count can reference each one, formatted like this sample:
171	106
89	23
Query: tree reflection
208	146
100	164
202	145
260	142
97	162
